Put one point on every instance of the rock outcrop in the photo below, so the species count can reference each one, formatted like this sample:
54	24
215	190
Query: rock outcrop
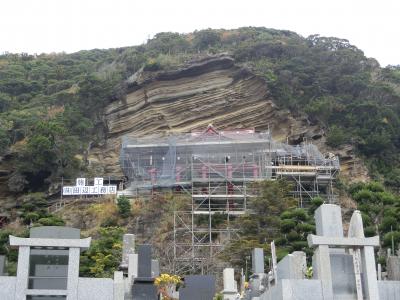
212	90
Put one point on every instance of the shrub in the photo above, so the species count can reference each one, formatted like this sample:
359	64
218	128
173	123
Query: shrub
387	239
369	231
287	225
286	215
281	253
381	260
51	221
299	214
388	223
306	228
109	222
375	187
386	198
31	217
124	206
366	219
293	236
206	38
299	245
281	241
364	195
317	201
104	254
336	137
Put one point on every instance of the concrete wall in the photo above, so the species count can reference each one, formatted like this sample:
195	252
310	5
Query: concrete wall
274	293
7	287
389	290
95	289
289	289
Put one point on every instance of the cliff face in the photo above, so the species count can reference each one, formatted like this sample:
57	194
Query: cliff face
213	90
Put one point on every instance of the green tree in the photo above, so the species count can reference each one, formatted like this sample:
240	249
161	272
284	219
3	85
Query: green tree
104	255
262	224
124	206
4	141
336	137
204	39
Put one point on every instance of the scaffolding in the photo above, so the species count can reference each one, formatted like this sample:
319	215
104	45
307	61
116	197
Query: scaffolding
218	170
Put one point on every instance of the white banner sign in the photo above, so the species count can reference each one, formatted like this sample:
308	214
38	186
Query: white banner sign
80	181
98	181
90	190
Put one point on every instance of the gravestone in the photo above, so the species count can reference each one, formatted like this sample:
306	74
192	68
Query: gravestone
128	247
379	272
155	268
132	266
119	291
230	288
144	260
257	260
328	221
2	265
353	274
257	281
198	287
293	266
343	276
257	285
143	287
274	268
393	268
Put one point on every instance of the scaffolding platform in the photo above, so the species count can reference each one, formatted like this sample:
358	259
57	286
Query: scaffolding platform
218	170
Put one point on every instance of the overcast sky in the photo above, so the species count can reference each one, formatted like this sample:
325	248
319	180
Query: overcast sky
37	26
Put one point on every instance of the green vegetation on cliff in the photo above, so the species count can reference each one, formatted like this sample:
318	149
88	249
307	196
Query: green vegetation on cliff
51	105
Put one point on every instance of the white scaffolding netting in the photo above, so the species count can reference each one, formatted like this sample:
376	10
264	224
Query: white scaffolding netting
169	160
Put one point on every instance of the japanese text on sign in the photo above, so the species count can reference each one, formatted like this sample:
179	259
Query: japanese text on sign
82	189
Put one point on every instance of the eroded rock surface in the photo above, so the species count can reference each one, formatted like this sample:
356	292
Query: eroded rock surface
213	90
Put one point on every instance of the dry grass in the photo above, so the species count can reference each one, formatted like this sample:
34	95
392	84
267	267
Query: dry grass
89	216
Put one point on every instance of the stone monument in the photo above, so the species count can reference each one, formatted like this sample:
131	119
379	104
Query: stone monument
292	266
48	268
258	280
128	247
2	265
361	251
198	287
230	291
257	260
343	267
393	267
143	286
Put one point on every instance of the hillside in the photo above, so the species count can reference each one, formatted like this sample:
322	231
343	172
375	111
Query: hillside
63	115
324	82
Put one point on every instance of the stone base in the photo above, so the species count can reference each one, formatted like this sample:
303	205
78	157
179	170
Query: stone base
144	291
230	295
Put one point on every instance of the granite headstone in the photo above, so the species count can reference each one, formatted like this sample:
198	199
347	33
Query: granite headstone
2	265
257	259
198	287
143	287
